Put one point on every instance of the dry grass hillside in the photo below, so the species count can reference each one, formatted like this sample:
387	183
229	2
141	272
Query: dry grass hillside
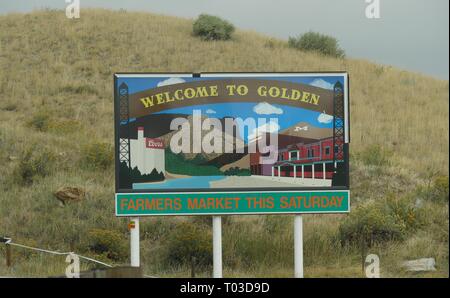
56	105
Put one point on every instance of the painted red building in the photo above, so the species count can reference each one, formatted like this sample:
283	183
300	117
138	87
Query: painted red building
305	159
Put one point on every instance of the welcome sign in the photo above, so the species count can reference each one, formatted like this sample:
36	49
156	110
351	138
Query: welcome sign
231	143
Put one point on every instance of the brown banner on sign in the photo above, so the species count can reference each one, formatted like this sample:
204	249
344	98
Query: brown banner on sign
230	90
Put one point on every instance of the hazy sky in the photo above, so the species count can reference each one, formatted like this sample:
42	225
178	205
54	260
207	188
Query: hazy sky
411	34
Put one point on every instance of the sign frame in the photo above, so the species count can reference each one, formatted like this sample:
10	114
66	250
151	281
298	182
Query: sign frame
231	75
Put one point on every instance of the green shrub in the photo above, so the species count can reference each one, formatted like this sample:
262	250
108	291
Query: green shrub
375	155
436	190
316	42
404	212
110	244
98	155
40	121
369	224
210	27
377	222
34	163
188	241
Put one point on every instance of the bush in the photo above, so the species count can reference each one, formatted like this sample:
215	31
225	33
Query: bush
188	241
34	163
369	224
98	155
107	243
404	212
40	121
436	190
316	42
210	27
377	222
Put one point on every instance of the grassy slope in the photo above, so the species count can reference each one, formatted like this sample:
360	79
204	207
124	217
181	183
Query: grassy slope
64	67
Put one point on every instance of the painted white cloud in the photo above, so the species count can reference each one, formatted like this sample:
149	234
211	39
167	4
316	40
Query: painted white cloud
322	84
269	127
264	108
324	118
210	111
171	81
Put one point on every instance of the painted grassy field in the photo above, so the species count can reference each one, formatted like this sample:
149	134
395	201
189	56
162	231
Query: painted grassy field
56	129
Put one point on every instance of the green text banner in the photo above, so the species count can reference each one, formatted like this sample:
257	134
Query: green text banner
247	202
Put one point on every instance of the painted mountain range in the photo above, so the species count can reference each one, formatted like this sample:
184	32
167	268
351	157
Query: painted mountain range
158	126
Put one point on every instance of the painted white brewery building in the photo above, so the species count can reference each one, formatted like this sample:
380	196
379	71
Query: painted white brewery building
147	153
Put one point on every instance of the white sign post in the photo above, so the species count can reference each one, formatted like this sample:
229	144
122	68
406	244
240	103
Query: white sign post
298	246
217	246
134	242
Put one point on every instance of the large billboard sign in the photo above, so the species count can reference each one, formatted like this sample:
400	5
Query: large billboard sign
231	143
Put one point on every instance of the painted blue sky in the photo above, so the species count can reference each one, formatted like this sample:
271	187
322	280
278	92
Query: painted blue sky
289	115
